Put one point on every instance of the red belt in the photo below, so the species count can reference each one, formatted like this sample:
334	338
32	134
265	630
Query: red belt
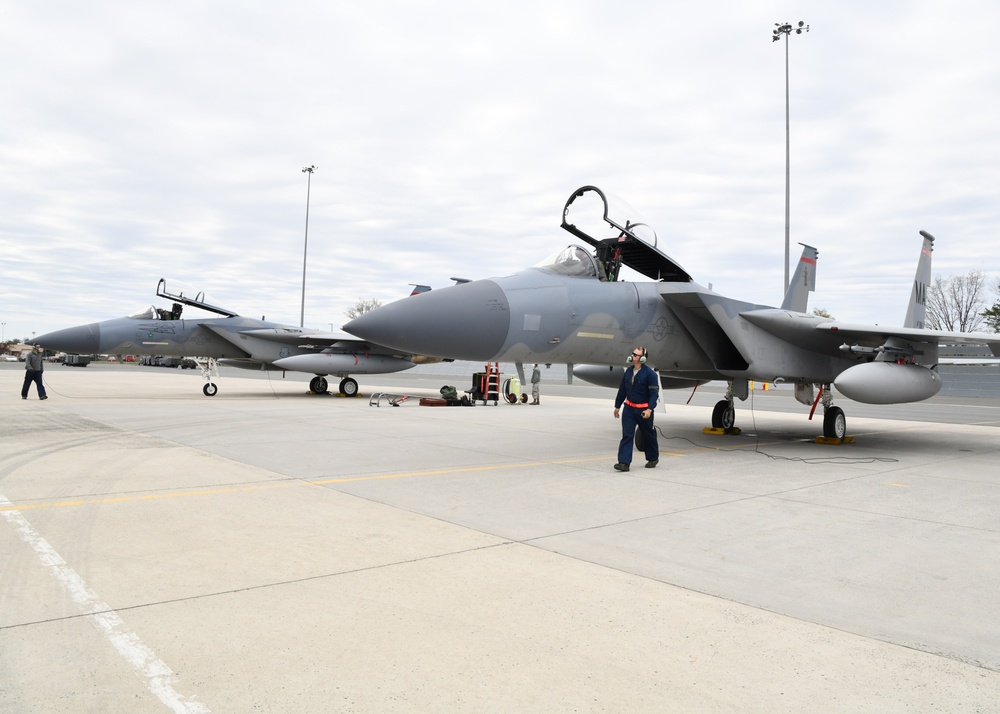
637	406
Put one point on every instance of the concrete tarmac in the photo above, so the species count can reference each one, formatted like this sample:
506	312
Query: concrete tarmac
270	550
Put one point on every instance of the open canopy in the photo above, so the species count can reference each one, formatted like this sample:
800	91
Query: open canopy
619	234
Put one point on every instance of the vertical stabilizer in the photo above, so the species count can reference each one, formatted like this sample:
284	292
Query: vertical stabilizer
921	283
803	281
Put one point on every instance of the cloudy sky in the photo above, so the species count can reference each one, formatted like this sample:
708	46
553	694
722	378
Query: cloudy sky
167	139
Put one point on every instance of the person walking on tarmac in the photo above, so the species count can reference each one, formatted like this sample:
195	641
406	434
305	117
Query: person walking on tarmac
34	364
536	377
639	391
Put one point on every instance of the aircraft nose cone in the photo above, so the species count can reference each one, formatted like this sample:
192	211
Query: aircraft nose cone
468	321
84	339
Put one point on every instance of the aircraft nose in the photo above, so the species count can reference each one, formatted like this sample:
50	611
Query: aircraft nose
84	339
468	321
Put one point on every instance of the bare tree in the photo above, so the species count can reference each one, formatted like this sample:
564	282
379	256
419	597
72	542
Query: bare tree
956	304
362	306
822	312
992	314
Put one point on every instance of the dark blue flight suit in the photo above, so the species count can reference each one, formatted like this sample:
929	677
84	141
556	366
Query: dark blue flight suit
637	395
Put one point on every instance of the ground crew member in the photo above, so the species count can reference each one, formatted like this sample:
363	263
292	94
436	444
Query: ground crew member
536	378
639	391
34	364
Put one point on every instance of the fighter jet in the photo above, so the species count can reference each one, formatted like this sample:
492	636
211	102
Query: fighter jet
576	308
232	340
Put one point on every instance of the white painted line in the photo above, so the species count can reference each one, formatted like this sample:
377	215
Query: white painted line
156	675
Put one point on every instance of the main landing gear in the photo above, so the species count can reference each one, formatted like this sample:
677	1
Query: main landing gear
319	385
834	420
348	387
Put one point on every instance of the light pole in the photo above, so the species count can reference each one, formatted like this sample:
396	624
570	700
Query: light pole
786	29
3	331
305	248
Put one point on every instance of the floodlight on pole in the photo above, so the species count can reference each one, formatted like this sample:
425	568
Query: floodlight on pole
305	248
786	29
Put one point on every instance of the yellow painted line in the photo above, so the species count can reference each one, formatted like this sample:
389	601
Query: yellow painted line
301	482
468	469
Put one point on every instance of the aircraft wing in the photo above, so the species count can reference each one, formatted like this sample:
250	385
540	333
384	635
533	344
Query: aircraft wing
320	340
819	334
867	334
298	336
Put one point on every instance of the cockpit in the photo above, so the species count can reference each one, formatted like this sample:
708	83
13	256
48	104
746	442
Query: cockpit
158	313
573	260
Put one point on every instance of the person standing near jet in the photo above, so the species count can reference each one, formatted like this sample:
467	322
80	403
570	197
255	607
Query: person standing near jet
34	364
638	392
536	378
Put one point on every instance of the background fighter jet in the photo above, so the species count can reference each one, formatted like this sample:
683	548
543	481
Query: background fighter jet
574	308
232	340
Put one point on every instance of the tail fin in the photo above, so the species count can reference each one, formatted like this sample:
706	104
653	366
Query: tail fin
803	282
916	310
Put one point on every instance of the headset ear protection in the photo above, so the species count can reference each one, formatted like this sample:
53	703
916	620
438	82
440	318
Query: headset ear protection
642	360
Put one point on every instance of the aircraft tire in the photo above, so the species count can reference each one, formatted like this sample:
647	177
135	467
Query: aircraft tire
210	389
640	442
349	387
723	415
834	424
319	385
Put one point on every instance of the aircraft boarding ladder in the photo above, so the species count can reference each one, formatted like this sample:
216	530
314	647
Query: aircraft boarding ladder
489	387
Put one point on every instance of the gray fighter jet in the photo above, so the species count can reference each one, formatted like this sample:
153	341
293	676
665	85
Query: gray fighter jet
232	340
577	308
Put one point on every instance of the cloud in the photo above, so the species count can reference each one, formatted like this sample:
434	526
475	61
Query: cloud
167	140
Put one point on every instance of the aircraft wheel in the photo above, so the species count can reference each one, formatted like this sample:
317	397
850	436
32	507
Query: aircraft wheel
348	387
210	390
319	385
723	415
640	442
834	423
